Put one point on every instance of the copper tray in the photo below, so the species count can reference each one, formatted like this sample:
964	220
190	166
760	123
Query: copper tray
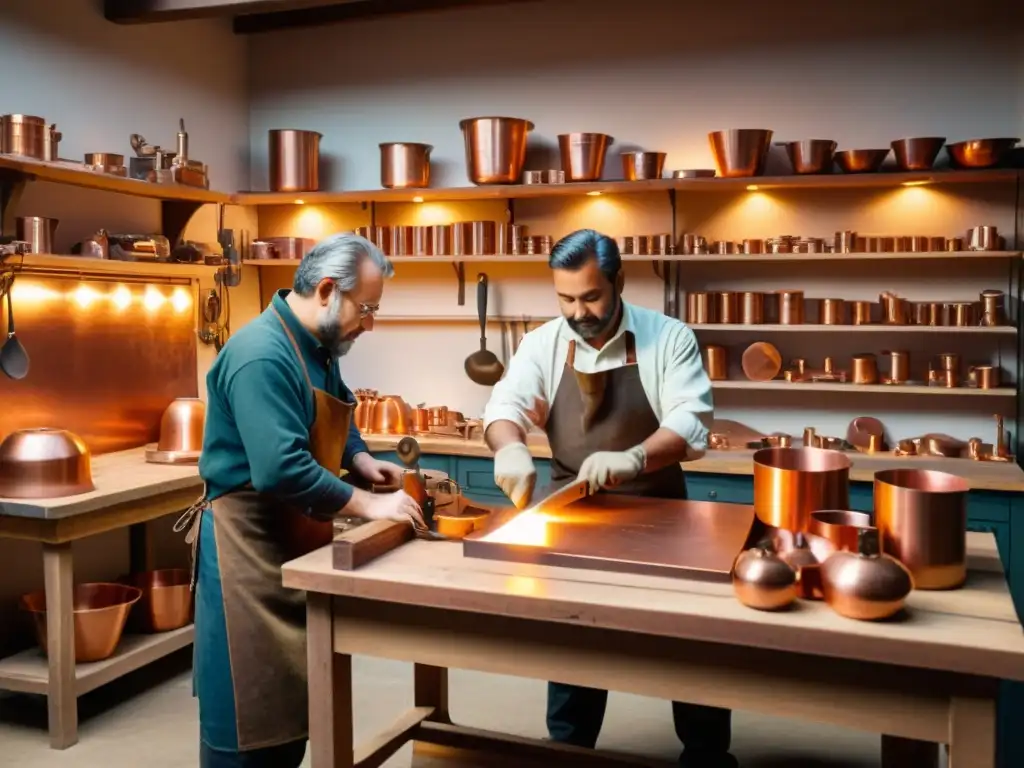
632	534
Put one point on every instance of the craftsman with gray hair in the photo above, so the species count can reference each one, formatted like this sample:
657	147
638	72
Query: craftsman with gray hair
279	430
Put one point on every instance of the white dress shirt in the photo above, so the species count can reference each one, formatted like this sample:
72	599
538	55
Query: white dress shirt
667	356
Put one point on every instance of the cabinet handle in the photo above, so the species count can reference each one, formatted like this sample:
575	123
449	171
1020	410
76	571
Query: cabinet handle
712	494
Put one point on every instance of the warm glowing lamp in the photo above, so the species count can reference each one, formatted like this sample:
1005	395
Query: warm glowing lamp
84	296
180	300
153	299
121	297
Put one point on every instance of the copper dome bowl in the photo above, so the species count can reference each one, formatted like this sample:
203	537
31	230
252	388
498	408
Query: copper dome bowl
181	433
44	464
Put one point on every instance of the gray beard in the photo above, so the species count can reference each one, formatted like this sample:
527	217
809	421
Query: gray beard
329	329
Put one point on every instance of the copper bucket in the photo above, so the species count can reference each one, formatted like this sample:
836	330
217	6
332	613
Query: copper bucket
791	483
166	602
921	516
100	612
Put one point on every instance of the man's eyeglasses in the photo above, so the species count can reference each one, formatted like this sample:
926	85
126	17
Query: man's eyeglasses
368	310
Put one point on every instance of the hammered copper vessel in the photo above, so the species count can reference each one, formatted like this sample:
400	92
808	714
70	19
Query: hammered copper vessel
495	148
921	517
763	580
866	584
811	155
839	527
791	483
405	165
44	464
583	155
716	362
100	611
917	154
166	600
640	166
740	152
294	160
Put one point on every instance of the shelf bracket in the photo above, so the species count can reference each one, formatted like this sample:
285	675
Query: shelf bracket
176	214
460	274
672	206
12	186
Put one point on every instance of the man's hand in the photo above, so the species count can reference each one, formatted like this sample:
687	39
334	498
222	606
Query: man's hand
379	472
609	468
398	506
515	474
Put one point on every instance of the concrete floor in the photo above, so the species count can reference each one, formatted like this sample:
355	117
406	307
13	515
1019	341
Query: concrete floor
149	720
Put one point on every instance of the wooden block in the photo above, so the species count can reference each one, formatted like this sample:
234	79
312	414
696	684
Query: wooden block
367	542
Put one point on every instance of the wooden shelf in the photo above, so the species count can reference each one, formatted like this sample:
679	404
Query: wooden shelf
78	265
999	330
28	672
73	174
892	389
423	319
518	191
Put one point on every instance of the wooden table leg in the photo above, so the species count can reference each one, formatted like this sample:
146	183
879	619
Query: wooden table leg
431	690
330	689
898	752
62	702
972	733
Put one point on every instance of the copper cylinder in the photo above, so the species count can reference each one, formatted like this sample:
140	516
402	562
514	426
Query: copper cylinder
899	366
922	313
441	234
917	244
790	483
421	420
700	308
833	312
791	307
751	308
381	237
642	243
921	517
402	241
716	362
954	244
405	165
963	314
992	307
753	246
845	241
724	247
982	239
887	244
662	245
728	307
861	312
839	527
864	369
516	236
640	166
23	135
984	376
936	244
294	160
422	241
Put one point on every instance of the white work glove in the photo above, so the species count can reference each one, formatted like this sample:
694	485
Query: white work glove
398	506
515	474
608	468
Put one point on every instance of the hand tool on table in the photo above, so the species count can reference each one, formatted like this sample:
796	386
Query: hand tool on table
563	497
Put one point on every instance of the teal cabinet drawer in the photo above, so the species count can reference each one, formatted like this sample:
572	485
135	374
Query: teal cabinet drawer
728	489
985	505
427	460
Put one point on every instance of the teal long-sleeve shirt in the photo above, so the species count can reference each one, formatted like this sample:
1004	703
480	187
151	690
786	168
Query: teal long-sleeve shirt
259	412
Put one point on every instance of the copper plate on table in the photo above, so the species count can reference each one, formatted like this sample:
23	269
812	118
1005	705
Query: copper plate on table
609	532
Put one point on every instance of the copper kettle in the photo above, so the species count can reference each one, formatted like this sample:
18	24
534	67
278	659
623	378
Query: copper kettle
763	580
866	584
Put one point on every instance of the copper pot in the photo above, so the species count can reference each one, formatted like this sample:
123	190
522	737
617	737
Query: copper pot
740	152
865	584
294	160
763	580
405	165
23	135
495	148
716	362
700	308
390	415
791	307
917	154
983	238
861	313
639	166
583	155
833	312
791	483
43	464
808	573
99	611
864	368
811	155
922	519
166	601
839	527
984	376
861	160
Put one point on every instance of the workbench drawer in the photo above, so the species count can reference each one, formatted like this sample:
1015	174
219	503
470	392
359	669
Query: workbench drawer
986	505
727	489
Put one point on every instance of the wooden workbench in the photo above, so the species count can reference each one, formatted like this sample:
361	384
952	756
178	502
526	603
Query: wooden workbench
928	679
129	493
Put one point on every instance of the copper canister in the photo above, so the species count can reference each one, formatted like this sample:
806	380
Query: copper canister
716	362
442	237
791	307
728	307
936	244
887	244
516	235
401	241
791	483
982	239
421	420
917	244
922	313
921	516
984	376
954	244
992	312
700	307
423	241
864	368
294	161
833	312
963	314
381	237
751	308
899	366
724	247
643	245
753	246
627	245
845	241
861	312
662	245
23	135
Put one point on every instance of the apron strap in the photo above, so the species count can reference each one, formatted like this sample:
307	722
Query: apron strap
570	355
295	346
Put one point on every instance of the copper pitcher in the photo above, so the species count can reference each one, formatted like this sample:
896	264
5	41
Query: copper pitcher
716	362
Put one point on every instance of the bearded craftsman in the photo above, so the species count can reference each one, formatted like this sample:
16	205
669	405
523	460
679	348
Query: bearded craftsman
279	430
622	394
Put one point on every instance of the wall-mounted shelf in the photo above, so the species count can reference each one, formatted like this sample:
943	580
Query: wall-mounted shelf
892	389
904	256
78	265
999	330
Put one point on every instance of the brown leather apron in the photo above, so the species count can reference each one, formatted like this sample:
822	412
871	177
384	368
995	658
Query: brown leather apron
266	623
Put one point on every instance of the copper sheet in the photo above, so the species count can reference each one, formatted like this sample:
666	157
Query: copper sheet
631	534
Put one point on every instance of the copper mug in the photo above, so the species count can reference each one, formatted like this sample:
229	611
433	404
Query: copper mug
716	362
864	369
984	376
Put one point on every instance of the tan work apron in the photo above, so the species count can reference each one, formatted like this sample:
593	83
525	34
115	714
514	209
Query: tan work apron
266	623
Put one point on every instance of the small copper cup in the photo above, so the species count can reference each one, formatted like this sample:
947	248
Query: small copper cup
751	308
861	312
716	362
833	312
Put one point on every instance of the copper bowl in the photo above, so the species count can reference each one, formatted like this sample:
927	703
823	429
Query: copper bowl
44	464
839	527
917	154
811	155
980	153
740	152
861	160
405	165
166	601
495	148
791	483
921	516
390	415
100	612
583	155
640	166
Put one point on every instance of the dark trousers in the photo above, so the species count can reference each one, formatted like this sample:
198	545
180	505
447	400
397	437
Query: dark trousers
575	715
282	756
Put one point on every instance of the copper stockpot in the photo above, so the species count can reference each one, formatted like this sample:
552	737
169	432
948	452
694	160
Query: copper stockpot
861	312
99	610
917	154
984	376
390	415
980	153
716	362
839	527
23	135
791	307
790	483
166	600
751	308
405	165
495	148
44	463
810	155
864	368
866	584
294	160
700	308
740	152
763	580
992	307
583	155
638	166
861	160
833	312
728	307
921	516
